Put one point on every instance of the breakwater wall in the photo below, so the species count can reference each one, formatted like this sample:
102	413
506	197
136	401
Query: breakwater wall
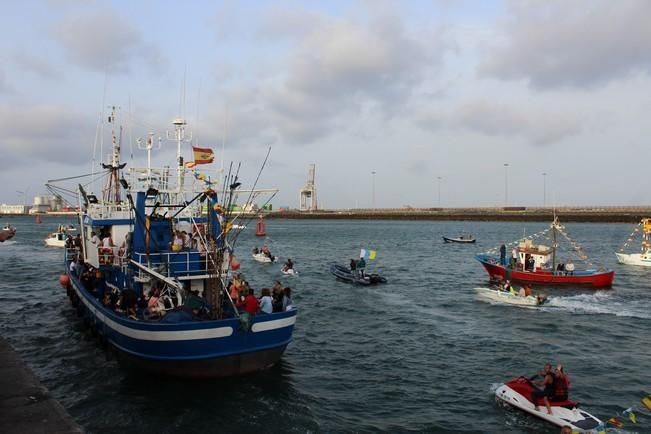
26	406
566	214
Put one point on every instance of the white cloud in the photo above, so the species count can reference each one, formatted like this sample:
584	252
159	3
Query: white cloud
27	62
4	86
106	42
534	125
336	71
572	44
44	133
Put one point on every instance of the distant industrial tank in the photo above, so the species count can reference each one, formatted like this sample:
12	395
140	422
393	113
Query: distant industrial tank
41	200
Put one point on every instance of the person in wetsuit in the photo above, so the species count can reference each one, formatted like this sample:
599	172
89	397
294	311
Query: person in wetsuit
547	393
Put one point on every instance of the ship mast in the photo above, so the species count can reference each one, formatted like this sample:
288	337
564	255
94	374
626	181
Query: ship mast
179	138
554	242
111	191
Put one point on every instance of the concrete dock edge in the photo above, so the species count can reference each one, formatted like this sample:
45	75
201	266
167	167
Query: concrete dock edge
26	406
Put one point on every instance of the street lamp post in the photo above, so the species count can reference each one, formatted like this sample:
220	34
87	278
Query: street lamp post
506	184
373	188
544	189
439	203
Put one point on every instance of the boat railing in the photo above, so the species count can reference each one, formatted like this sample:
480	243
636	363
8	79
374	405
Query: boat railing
186	263
103	210
165	180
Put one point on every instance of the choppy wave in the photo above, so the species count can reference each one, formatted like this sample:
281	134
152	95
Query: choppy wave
602	303
411	355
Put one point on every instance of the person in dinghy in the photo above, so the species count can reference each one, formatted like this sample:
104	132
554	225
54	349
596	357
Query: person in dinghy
265	251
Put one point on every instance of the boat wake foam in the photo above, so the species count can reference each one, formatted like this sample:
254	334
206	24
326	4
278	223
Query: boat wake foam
600	303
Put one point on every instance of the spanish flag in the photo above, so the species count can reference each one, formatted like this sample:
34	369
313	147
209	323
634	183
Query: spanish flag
201	156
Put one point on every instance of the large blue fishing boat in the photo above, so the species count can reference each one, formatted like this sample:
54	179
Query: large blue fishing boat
160	302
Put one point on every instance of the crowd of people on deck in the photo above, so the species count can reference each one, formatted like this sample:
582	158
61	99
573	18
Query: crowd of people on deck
158	301
276	299
554	387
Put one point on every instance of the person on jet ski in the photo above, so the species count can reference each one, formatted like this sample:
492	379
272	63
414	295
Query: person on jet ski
548	389
289	265
561	385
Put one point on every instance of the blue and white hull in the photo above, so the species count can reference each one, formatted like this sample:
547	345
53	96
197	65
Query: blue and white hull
209	348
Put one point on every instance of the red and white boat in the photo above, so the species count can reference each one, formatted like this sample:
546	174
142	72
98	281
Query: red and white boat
518	393
7	233
538	264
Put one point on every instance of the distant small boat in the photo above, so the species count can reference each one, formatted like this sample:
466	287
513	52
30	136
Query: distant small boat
7	233
344	273
643	258
58	238
463	239
261	257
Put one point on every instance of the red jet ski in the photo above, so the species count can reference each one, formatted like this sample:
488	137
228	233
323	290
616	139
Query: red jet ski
518	393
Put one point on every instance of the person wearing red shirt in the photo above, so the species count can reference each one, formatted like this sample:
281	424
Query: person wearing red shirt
251	303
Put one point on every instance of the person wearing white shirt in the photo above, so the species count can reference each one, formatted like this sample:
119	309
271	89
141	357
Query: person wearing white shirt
266	303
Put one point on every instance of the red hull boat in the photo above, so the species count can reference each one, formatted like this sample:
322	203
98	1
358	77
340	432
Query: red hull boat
539	264
7	233
545	277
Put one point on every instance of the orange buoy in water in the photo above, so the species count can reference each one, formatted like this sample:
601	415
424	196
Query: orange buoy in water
64	281
260	228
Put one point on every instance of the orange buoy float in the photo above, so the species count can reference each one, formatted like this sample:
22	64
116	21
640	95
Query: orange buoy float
64	281
260	228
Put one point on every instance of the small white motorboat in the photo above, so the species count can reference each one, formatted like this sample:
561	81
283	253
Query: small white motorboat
641	259
507	298
261	257
58	238
289	272
518	393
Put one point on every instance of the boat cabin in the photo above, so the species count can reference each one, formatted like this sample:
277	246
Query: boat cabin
526	250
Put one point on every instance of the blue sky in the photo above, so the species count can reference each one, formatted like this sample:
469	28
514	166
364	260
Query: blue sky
411	90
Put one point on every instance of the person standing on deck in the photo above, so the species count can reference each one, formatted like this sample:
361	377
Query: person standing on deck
353	266
514	258
361	264
502	254
569	268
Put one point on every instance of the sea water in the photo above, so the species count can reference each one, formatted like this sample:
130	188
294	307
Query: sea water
419	354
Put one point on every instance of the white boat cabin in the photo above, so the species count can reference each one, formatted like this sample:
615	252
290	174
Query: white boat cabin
526	251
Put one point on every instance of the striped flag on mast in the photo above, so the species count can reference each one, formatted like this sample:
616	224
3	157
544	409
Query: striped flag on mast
201	156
